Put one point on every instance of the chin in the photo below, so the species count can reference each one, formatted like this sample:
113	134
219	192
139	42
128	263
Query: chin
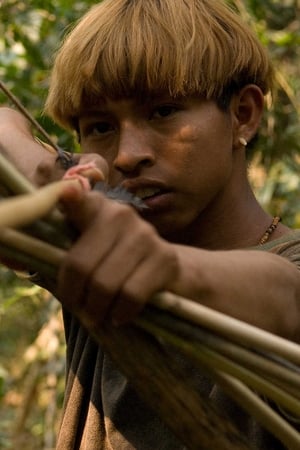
172	230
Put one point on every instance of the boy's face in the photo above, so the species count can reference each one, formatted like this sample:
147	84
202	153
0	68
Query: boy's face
175	154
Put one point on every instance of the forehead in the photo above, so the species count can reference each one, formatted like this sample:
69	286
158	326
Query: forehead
98	103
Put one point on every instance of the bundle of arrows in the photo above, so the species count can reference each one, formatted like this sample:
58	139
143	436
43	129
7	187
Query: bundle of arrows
259	370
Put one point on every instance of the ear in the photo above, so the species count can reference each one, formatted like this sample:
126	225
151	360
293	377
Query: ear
247	108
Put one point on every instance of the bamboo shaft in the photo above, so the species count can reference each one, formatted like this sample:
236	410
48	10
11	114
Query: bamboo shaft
12	179
27	244
211	359
269	366
230	327
217	366
24	209
259	409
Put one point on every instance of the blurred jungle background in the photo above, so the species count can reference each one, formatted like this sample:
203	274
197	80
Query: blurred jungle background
31	333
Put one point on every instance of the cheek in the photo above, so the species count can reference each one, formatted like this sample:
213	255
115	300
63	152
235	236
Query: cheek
189	134
205	162
205	144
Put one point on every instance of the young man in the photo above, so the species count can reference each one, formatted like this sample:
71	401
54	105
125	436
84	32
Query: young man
164	96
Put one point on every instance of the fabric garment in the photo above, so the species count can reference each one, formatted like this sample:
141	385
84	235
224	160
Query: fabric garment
103	412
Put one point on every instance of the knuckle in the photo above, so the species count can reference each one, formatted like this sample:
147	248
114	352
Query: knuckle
146	235
122	214
172	258
101	288
95	198
73	266
133	294
88	210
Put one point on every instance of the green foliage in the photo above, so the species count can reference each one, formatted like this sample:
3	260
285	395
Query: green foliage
30	33
32	353
277	23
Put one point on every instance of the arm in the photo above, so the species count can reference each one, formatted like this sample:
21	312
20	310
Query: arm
257	287
19	146
120	261
32	159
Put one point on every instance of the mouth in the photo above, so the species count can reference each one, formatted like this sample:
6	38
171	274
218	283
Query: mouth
156	199
121	195
154	195
147	193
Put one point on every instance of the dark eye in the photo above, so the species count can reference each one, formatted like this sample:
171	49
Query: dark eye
100	128
163	111
97	128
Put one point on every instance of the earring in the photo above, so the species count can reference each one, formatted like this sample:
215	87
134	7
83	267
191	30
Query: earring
243	141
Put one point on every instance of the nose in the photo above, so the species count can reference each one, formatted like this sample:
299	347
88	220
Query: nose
134	150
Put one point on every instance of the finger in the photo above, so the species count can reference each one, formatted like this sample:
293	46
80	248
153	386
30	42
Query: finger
94	215
98	161
77	269
50	169
74	278
83	209
113	271
151	276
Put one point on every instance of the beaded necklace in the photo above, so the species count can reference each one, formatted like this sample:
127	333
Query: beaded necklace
269	230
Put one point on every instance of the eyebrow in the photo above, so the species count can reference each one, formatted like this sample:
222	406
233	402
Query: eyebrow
91	112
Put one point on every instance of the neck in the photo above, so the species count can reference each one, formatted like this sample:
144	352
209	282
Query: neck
225	229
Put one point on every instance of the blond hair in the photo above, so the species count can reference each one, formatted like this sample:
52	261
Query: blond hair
124	48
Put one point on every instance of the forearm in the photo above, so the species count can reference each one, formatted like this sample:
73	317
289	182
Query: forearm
19	146
260	288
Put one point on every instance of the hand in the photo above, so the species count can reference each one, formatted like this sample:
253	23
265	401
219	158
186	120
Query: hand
37	162
116	265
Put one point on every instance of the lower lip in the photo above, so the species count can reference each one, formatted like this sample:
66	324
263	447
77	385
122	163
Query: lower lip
159	202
